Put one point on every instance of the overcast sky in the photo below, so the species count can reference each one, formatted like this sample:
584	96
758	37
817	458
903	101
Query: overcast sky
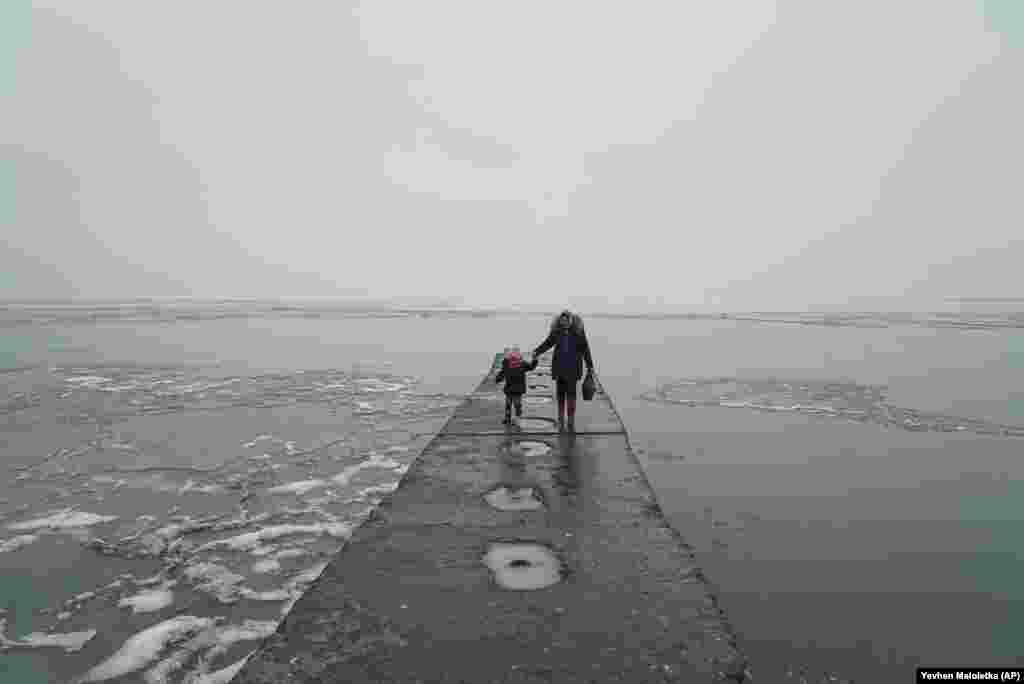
649	155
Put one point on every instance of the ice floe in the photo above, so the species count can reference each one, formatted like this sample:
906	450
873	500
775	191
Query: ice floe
290	553
298	488
374	461
63	520
282	594
150	581
15	543
310	575
835	399
290	591
216	580
251	540
191	486
378	489
87	380
69	641
180	641
263	550
376	385
267	566
221	676
203	552
148	601
227	636
145	647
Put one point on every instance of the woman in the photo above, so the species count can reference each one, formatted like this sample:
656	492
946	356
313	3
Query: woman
571	350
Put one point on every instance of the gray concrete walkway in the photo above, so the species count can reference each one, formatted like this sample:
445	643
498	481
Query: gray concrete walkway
411	599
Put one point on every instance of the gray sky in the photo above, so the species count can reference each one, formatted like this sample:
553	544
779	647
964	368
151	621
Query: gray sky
754	155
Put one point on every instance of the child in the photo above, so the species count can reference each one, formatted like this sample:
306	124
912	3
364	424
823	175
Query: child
513	372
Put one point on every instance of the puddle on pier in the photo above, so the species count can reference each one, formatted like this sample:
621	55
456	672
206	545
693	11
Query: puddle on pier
523	566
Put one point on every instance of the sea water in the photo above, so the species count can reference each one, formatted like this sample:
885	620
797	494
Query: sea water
176	476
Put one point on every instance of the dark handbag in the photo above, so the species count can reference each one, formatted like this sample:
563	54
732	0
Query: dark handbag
589	386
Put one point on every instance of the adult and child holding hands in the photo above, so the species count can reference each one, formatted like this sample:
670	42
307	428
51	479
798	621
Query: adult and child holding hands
571	351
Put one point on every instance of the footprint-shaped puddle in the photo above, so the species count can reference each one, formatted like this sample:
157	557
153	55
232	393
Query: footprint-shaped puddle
531	448
536	425
514	499
523	567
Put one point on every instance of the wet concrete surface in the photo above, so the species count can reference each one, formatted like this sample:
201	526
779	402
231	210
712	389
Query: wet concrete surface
410	598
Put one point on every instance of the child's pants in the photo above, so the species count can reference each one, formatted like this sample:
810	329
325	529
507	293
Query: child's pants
515	400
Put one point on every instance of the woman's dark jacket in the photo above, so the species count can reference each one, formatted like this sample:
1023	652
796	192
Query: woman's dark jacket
571	350
515	378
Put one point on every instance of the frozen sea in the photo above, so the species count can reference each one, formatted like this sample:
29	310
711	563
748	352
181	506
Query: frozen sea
175	475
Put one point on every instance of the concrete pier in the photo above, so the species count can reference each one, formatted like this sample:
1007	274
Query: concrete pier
438	584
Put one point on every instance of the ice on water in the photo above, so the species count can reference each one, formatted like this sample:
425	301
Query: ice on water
15	543
260	529
70	641
837	399
298	488
145	647
62	520
252	540
149	601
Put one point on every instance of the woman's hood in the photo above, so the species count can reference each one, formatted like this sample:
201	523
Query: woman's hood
575	322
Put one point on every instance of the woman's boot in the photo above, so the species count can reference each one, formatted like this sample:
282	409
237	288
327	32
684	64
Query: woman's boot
561	414
571	406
